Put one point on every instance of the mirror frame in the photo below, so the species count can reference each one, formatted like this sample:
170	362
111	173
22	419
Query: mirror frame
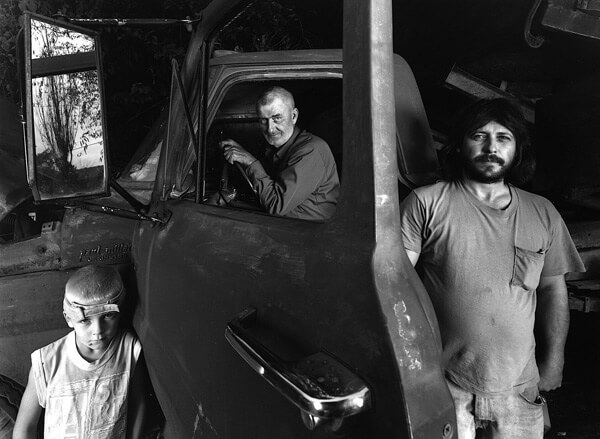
88	61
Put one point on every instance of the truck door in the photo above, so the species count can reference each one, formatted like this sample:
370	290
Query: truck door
339	296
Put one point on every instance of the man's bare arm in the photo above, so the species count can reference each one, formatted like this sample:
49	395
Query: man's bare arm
413	257
552	326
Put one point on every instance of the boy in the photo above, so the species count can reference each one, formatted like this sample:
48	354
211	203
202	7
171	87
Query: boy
85	381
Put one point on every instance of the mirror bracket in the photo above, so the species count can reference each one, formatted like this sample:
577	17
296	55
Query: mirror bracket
160	219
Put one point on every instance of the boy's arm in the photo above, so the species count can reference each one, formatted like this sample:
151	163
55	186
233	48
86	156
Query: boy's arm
136	409
29	412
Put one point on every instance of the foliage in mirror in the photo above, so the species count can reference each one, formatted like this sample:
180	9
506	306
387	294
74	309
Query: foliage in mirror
68	134
66	113
48	40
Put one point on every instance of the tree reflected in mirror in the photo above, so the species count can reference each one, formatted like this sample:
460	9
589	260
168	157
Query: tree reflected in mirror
68	133
67	116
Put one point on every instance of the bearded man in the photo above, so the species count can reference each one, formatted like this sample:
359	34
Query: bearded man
493	258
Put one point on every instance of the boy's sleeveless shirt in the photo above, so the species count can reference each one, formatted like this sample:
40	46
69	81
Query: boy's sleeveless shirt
85	399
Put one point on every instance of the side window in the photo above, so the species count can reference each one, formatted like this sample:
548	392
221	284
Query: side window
319	102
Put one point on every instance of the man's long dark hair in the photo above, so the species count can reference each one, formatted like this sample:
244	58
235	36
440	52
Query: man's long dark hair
507	114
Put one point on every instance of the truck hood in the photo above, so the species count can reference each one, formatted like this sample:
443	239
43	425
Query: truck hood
13	182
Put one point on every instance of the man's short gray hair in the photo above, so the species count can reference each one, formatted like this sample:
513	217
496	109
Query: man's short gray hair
275	92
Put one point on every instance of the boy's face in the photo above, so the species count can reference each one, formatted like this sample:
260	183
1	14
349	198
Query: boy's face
94	333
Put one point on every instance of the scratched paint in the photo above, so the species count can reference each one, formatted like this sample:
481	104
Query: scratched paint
412	353
383	199
201	416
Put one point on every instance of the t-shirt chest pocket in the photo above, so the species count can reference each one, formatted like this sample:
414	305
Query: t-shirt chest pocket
527	268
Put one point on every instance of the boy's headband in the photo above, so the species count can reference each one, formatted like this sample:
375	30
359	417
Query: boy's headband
76	311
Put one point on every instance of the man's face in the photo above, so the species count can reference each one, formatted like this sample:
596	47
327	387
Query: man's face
93	334
277	120
488	153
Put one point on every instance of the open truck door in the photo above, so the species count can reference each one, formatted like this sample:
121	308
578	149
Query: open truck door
331	318
259	326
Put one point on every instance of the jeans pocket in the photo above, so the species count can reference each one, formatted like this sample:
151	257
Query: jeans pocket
527	268
533	397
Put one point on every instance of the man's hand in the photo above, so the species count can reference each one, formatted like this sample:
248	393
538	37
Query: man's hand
550	376
235	153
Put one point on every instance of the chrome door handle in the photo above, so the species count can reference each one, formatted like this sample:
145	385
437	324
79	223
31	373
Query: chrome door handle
324	389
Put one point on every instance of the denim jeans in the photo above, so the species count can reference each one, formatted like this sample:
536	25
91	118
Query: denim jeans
516	416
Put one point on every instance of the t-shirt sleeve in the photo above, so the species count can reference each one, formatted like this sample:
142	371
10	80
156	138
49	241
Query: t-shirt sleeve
562	256
39	378
412	219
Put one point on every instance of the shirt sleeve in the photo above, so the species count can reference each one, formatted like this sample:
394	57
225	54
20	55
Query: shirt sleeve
562	255
412	220
293	185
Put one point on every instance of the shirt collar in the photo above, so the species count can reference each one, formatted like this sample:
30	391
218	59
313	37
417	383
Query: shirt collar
279	152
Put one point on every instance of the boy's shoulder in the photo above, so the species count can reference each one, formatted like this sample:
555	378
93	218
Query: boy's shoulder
56	346
48	357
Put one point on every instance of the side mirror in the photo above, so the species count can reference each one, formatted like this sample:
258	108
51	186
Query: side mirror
66	148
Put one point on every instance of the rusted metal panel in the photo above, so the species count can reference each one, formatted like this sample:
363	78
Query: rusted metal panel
572	16
93	238
15	351
31	310
40	253
13	184
32	302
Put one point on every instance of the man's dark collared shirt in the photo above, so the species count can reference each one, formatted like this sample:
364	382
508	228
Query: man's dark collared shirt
302	181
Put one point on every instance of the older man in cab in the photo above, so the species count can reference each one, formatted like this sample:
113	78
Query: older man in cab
297	177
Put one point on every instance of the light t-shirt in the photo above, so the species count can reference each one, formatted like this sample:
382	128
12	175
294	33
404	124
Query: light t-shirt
481	267
85	399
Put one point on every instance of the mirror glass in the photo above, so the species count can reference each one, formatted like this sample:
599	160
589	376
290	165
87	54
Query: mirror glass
48	40
66	129
69	152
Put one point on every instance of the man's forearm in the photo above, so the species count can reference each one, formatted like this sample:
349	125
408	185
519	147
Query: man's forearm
552	327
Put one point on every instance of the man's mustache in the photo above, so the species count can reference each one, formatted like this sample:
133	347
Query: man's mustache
489	158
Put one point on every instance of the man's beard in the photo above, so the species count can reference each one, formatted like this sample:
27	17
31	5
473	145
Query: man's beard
485	175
